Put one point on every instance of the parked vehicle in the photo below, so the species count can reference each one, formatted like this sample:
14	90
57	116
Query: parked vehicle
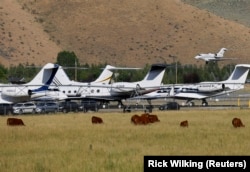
6	109
90	105
170	106
69	106
47	107
138	107
27	107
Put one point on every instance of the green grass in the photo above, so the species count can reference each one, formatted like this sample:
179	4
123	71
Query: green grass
69	142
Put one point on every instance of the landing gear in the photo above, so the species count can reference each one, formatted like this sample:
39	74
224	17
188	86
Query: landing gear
120	105
189	103
104	104
204	102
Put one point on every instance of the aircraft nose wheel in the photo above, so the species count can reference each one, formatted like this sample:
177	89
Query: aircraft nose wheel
204	103
191	104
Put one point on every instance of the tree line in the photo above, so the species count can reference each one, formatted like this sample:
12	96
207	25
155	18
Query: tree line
175	72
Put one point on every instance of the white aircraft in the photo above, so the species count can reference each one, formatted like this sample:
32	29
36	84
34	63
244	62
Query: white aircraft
202	90
103	91
61	78
213	57
38	87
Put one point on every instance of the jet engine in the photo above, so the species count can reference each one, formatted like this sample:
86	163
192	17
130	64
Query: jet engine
16	91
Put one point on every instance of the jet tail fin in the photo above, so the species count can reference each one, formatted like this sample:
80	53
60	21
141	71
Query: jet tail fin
156	73
239	75
221	52
45	77
106	75
61	77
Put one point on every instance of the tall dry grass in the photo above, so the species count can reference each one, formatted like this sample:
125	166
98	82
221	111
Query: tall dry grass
69	142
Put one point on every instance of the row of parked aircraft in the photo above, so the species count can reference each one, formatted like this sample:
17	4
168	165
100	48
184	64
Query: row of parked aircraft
203	90
104	91
53	83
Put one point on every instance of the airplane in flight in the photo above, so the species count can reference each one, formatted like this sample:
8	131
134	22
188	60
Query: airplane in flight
210	57
38	87
103	91
203	90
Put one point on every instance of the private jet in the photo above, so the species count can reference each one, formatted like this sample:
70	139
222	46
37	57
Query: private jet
202	90
210	57
38	87
104	92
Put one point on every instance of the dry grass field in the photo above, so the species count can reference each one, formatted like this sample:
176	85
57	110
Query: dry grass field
70	142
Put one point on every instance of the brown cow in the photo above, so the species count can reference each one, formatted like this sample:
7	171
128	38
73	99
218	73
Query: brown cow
237	122
14	122
153	118
96	120
144	118
136	119
184	123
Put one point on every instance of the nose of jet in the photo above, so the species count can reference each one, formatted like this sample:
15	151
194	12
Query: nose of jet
197	57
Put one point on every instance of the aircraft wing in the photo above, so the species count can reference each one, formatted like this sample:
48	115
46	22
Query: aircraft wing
223	58
123	68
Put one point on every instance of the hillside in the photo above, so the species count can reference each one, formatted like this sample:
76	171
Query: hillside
22	39
122	33
236	10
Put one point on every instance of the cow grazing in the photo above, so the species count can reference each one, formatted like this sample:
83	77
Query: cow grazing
144	119
237	122
136	119
96	120
153	118
184	123
14	122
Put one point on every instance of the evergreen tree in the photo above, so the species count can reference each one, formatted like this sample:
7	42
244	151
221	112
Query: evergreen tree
70	63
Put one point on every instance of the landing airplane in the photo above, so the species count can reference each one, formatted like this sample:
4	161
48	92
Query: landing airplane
213	57
202	90
38	87
105	92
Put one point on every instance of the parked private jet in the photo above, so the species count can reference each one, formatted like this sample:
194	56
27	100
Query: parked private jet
104	92
38	87
62	79
202	90
213	57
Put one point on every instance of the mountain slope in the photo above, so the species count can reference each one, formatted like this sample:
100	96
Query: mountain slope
235	10
22	39
131	33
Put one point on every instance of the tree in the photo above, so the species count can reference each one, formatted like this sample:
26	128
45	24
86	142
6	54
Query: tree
70	60
3	73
